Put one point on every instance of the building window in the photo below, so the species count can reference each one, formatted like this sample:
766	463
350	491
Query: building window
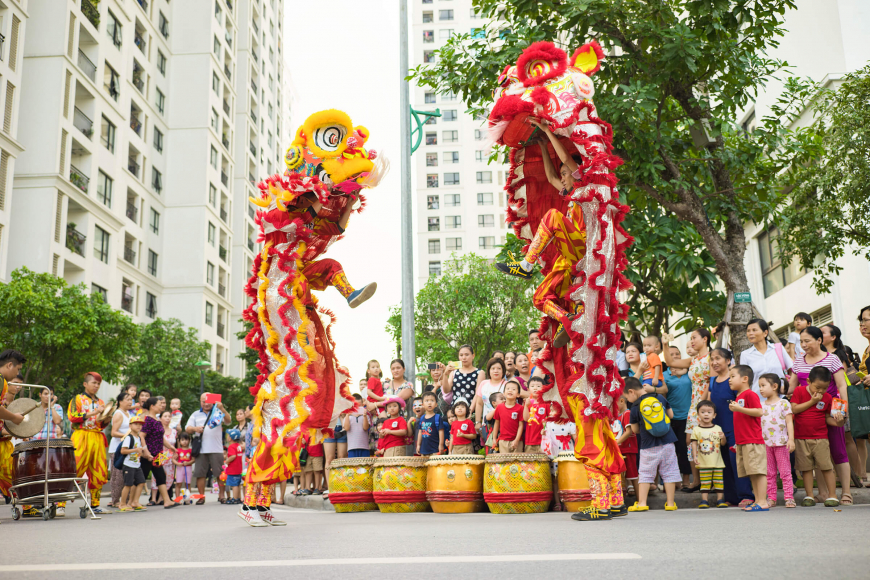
215	83
107	134
161	63
449	115
485	221
451	179
486	242
431	138
150	305
430	120
480	156
152	262
432	180
478	134
432	202
154	223
434	224
163	25
445	15
450	136
448	97
104	188
156	180
209	273
429	98
775	275
212	195
100	291
484	199
211	233
434	246
158	140
453	222
113	29
213	158
214	120
101	244
112	82
445	33
429	57
431	160
127	296
451	200
434	268
454	244
484	177
451	157
428	36
160	100
209	313
427	17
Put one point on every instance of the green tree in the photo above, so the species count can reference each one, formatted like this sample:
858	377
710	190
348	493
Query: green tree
63	331
828	212
248	355
165	355
470	303
679	74
234	392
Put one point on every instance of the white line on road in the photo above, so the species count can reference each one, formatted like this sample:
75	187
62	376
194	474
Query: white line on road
321	562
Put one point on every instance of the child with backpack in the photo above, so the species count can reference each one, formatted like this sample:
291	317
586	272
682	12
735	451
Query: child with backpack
430	428
650	419
127	460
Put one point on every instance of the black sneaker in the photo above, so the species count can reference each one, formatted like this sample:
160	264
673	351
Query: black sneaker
617	511
513	268
591	514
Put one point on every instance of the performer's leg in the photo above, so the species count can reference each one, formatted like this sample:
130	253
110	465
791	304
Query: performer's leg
264	504
551	221
328	272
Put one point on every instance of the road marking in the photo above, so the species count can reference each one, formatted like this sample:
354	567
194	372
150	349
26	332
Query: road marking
321	562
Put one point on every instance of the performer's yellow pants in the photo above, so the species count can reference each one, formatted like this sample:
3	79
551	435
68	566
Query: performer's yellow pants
91	460
6	449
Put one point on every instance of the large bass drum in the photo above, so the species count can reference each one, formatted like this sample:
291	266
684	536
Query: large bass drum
29	462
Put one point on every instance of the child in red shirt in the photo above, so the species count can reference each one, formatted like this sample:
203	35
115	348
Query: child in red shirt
535	415
312	471
627	442
462	431
811	406
751	450
234	466
508	428
394	429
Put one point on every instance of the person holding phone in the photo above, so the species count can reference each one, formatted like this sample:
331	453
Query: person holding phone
207	424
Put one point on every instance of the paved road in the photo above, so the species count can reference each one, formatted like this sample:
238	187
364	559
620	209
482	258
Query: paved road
210	542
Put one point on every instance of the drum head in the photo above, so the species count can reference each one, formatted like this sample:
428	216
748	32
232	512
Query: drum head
34	418
107	413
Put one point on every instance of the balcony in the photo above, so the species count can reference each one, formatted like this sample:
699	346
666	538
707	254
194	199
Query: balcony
138	81
91	12
83	123
164	29
225	179
251	246
256	28
226	142
132	212
133	167
230	5
139	41
136	125
78	178
130	255
226	107
87	67
143	4
254	118
220	329
222	290
229	37
255	55
227	72
75	240
252	180
127	302
253	149
222	252
251	213
254	86
224	214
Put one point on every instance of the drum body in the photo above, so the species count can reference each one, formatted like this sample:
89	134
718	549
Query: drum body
400	484
351	484
574	488
29	461
454	484
517	483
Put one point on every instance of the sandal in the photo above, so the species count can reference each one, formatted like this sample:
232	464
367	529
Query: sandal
200	501
704	504
151	503
789	503
755	508
846	499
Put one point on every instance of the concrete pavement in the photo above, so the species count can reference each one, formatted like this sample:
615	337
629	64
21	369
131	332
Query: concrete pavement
210	542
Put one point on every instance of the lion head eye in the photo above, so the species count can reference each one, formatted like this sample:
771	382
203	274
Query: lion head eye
329	137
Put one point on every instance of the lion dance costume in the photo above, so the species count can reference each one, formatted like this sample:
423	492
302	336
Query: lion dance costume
89	441
301	389
577	239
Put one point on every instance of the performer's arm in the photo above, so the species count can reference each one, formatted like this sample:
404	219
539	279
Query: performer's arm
74	411
549	170
557	146
7	415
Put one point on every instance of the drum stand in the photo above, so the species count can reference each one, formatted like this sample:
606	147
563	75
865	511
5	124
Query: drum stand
47	500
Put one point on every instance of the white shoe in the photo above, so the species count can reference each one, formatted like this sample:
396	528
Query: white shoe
60	512
268	517
252	518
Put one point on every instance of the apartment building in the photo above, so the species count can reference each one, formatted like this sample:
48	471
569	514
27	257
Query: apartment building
460	198
133	173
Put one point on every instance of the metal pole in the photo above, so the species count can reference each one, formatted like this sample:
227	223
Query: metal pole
201	383
408	347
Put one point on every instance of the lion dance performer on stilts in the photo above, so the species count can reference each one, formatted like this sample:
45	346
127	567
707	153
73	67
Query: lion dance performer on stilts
301	389
571	219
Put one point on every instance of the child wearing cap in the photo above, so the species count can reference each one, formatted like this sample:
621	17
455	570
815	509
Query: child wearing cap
394	429
462	432
234	467
134	480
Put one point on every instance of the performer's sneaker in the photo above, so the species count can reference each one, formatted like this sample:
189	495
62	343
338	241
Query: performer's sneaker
268	517
618	511
31	512
591	514
252	518
562	337
357	297
513	267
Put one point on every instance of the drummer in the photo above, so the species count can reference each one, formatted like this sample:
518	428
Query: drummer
11	362
88	437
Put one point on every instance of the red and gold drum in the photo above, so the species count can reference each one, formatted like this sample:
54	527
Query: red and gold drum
574	488
517	483
351	485
29	461
400	484
454	484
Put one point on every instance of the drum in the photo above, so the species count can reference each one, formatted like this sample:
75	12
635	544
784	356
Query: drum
400	484
574	488
29	460
454	484
350	485
517	483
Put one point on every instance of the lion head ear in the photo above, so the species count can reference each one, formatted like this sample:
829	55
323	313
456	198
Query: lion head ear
587	58
361	134
300	137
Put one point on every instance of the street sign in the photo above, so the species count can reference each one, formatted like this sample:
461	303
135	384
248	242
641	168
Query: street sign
740	297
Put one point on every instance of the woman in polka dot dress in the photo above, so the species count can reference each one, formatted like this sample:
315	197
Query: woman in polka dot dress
463	382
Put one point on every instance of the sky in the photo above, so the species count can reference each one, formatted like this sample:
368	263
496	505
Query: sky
352	64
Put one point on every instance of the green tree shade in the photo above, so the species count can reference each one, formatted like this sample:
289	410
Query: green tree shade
63	331
470	303
678	74
248	355
828	213
234	392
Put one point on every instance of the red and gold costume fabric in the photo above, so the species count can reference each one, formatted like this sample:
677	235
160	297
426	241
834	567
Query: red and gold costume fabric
90	444
6	448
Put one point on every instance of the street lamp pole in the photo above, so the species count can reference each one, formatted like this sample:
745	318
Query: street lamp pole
203	366
409	354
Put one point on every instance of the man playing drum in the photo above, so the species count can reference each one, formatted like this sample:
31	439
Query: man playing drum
88	437
11	362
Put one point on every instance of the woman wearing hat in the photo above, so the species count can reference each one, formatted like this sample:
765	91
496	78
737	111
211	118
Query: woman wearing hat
88	437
